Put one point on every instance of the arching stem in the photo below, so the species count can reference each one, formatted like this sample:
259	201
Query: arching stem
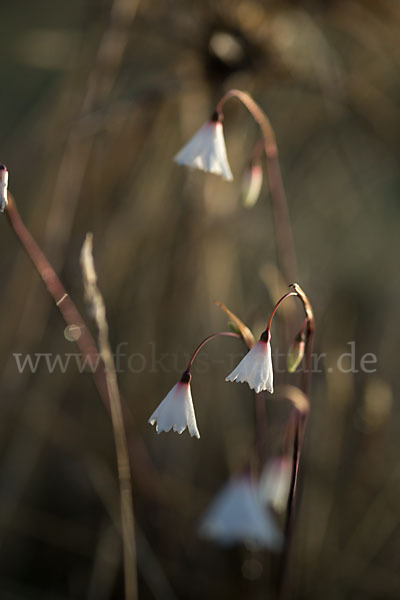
300	425
205	341
283	229
277	305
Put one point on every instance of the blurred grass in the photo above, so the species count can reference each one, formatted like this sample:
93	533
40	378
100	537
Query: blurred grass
98	156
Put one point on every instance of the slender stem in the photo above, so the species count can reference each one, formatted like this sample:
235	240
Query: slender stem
65	305
260	408
290	509
257	113
260	429
300	424
205	341
283	230
277	306
85	343
258	149
295	460
310	330
95	299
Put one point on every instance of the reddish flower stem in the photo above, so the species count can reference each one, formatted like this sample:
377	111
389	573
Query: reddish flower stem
259	400
283	230
205	341
300	425
85	343
277	305
57	291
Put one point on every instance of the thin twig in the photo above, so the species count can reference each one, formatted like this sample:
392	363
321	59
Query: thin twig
57	291
96	303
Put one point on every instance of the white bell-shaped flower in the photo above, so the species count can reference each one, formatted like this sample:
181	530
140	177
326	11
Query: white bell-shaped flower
3	187
256	368
237	516
207	151
176	411
275	481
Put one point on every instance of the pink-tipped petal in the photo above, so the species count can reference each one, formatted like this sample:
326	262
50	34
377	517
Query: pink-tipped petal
176	411
255	369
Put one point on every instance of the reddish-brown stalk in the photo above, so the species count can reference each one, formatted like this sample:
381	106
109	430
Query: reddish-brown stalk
300	418
300	424
310	330
283	230
205	341
260	412
85	341
57	291
259	401
277	305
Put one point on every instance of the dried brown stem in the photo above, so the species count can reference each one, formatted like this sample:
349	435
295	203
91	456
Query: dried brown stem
96	303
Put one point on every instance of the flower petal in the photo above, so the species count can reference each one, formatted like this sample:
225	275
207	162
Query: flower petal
255	369
236	515
176	411
207	151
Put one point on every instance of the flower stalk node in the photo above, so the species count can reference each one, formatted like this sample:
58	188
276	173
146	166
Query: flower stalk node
186	377
216	117
265	336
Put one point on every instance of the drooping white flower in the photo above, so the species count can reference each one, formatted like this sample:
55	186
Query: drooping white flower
176	411
207	151
3	187
237	516
275	482
256	368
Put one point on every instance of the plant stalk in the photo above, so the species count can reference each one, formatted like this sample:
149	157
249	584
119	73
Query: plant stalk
106	386
300	425
283	229
96	302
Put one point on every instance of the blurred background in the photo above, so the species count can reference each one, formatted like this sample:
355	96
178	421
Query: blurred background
96	98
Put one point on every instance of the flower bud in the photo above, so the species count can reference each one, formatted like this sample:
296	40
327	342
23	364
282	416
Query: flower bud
237	326
251	184
233	327
296	352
